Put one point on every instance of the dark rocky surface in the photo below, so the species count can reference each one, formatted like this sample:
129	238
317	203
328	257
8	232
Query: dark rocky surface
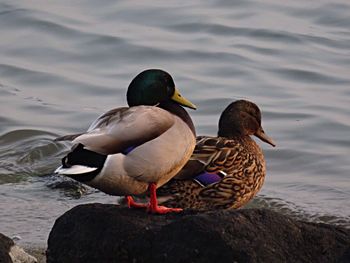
108	233
5	245
11	253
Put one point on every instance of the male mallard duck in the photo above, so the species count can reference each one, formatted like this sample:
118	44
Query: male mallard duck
128	150
224	171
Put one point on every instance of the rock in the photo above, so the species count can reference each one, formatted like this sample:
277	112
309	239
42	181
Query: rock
11	253
108	233
5	246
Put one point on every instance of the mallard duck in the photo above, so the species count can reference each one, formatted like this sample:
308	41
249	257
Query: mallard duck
224	171
131	149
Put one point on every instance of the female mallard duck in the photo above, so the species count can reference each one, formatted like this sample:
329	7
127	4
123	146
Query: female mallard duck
128	150
224	171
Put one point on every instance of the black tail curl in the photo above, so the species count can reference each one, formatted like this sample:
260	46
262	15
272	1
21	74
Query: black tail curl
81	156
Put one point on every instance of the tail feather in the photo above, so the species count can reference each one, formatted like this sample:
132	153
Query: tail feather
75	170
81	156
81	164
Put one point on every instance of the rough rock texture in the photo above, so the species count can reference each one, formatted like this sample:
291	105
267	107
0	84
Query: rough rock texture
108	233
5	246
11	253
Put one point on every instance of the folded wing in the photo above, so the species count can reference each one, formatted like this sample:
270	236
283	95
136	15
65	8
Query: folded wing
212	155
121	128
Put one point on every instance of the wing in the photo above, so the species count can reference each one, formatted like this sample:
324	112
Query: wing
69	137
123	127
212	155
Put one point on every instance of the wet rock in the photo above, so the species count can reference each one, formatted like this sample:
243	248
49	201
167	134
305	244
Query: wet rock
108	233
69	187
11	253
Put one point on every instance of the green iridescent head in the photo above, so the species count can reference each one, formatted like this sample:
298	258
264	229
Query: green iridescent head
154	86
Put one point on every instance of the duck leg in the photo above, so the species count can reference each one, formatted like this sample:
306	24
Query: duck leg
131	202
153	204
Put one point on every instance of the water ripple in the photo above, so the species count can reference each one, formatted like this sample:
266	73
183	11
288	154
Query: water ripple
64	64
309	76
223	30
26	153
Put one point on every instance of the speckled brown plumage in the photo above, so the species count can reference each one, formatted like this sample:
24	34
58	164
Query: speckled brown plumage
234	152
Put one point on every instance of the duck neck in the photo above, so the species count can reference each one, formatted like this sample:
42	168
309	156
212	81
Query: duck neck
229	132
177	110
245	140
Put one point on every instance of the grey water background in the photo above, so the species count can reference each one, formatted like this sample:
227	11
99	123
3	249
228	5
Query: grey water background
63	63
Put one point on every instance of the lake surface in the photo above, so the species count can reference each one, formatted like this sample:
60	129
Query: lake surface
63	63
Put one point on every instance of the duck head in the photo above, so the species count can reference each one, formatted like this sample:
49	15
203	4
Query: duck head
242	118
154	86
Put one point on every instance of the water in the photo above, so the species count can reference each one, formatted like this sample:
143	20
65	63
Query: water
63	63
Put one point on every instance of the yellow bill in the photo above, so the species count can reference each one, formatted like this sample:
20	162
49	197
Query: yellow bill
177	97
